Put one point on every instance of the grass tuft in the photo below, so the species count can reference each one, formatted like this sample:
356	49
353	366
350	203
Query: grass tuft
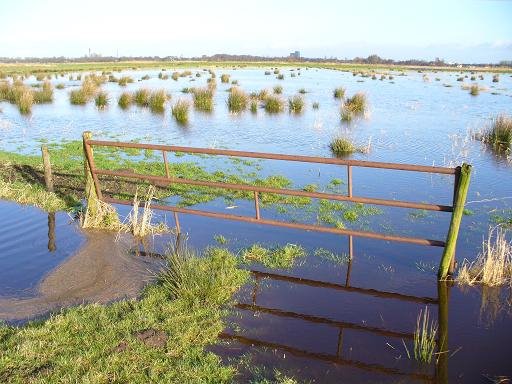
102	99
279	257
237	100
493	266
425	337
353	106
339	93
157	101
180	111
274	104
278	89
203	99
296	104
125	100
141	97
224	78
499	133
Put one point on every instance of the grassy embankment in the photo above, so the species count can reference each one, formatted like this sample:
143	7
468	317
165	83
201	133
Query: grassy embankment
160	338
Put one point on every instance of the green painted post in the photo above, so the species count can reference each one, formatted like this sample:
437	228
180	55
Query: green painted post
453	231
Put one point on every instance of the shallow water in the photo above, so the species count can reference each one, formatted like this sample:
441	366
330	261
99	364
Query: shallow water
296	325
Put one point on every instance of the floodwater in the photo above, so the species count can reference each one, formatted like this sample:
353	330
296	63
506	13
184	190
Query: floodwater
328	319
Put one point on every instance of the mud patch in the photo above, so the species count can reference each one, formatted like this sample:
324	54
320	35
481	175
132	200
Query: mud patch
101	272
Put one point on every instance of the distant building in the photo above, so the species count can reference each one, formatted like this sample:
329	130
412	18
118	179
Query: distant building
295	55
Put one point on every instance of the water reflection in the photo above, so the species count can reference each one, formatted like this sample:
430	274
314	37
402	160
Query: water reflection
267	326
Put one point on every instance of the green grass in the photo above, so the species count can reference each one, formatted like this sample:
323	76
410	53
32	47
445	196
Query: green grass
499	133
157	100
123	81
342	146
280	77
353	106
45	94
474	90
254	106
78	97
277	258
25	100
141	97
125	100
102	343
278	89
224	78
180	111
273	104
101	99
296	104
31	194
237	100
60	86
425	337
203	99
339	93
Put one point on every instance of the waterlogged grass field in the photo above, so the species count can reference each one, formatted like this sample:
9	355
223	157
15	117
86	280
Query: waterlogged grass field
402	115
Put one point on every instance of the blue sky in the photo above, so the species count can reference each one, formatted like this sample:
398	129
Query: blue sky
462	31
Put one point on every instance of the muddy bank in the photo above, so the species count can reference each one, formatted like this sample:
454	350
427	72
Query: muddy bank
103	270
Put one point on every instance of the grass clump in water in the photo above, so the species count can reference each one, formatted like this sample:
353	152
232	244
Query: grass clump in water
425	337
296	104
493	266
254	106
341	146
224	78
102	99
499	133
353	106
141	97
123	81
277	258
474	90
316	105
339	93
180	111
25	100
278	89
237	100
157	101
125	100
203	99
45	95
274	104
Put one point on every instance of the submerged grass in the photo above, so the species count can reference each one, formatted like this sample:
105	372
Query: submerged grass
237	100
273	104
180	111
354	106
100	343
102	99
125	100
157	100
278	257
296	104
493	266
203	99
499	133
425	337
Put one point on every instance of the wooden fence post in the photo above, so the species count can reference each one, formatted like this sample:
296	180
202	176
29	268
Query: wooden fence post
89	182
453	232
47	166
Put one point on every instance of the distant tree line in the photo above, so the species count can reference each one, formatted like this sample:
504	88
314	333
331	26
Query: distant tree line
372	59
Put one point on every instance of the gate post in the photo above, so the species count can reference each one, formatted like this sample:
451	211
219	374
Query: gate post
453	231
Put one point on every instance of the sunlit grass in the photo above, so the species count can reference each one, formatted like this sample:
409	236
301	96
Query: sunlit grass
353	106
180	111
425	337
296	104
237	100
125	100
278	89
273	104
101	99
339	93
141	97
203	99
224	78
157	101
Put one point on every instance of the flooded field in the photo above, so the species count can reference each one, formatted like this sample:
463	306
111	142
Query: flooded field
323	317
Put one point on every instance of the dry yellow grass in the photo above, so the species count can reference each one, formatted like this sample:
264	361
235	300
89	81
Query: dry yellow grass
493	266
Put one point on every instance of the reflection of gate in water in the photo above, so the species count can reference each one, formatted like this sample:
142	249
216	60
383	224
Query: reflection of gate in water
441	358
